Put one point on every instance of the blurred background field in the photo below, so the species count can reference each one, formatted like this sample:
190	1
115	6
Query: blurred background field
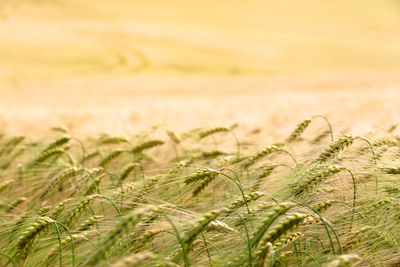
121	66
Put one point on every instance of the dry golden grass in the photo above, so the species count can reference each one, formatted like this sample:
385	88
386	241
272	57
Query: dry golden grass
122	66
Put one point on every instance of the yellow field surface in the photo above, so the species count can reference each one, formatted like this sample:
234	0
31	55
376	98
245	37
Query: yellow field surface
119	66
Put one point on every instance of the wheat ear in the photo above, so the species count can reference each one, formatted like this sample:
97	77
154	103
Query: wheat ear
26	240
147	145
123	227
135	260
300	128
286	225
335	148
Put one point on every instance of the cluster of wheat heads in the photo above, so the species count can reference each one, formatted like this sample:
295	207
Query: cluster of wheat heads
200	198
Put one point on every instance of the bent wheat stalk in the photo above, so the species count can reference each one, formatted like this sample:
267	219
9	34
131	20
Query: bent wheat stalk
123	227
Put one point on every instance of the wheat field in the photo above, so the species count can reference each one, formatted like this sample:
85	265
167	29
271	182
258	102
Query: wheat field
187	133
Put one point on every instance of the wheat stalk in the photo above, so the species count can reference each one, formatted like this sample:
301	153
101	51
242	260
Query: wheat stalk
200	175
26	240
123	227
284	241
58	181
15	203
300	128
4	185
212	131
240	202
52	254
343	260
128	170
335	148
286	225
173	137
265	225
313	180
261	154
134	260
112	140
113	155
9	146
57	143
76	212
146	145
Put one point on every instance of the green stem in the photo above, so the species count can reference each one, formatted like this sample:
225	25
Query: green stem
327	121
354	197
319	240
10	259
370	146
112	203
238	185
374	157
206	246
326	228
272	260
309	255
290	154
176	153
237	142
72	242
247	239
180	240
83	151
59	243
